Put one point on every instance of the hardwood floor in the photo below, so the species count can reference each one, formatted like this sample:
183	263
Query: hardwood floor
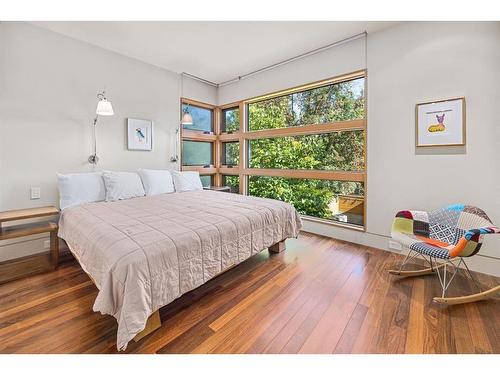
319	296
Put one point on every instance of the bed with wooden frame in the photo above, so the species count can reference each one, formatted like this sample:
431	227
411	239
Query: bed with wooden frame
143	253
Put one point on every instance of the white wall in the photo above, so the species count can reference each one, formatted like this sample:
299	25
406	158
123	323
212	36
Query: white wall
48	88
347	57
415	63
48	84
407	64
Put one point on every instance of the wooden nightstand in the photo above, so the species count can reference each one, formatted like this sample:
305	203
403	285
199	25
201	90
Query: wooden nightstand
225	189
8	269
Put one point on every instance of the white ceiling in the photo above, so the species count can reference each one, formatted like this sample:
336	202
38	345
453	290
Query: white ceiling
216	51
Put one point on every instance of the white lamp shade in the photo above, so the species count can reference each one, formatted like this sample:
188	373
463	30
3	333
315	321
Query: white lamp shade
104	108
187	119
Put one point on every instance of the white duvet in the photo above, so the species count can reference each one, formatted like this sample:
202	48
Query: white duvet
143	253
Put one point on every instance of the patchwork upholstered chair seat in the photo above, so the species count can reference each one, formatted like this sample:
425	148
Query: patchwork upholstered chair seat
443	238
454	231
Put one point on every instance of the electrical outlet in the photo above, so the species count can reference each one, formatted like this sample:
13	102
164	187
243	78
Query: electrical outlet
35	192
46	244
395	245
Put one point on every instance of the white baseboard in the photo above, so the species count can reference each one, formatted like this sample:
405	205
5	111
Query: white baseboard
479	263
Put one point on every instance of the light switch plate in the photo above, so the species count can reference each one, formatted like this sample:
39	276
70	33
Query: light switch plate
35	192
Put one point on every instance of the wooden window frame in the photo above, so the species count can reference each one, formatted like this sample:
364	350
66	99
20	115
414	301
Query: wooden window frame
200	136
244	135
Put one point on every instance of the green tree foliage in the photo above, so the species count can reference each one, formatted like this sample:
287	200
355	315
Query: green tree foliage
233	182
231	120
231	152
333	151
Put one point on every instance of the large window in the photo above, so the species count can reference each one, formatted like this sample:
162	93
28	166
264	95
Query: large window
305	146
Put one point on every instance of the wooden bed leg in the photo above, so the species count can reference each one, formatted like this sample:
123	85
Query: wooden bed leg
152	324
278	247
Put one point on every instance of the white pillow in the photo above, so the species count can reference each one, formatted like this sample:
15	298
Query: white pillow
186	181
122	185
79	188
156	181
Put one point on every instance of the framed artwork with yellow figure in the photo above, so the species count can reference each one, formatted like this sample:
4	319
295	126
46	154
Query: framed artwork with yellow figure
440	123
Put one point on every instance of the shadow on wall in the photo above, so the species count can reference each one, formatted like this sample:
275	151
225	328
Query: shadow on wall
441	150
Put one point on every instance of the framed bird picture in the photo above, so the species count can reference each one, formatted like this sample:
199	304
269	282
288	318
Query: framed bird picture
140	134
440	123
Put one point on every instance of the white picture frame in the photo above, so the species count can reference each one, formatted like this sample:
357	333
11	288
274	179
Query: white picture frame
139	134
440	123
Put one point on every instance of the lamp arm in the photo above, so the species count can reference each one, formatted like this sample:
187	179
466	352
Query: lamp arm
175	157
93	158
95	138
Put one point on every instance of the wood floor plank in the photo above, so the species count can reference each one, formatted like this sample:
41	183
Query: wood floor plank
374	299
261	318
415	332
336	280
208	308
291	327
477	329
319	296
351	331
329	330
458	320
270	338
327	333
41	300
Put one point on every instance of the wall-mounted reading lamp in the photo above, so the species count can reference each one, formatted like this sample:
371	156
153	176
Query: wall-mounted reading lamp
104	108
186	119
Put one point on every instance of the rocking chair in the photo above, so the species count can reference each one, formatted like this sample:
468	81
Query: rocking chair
450	234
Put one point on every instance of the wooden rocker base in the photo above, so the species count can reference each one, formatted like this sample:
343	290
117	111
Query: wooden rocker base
468	299
425	271
153	323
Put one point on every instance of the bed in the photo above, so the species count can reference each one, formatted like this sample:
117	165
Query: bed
143	253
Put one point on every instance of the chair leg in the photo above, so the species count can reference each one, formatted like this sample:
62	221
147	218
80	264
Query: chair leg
444	280
405	260
481	295
445	284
